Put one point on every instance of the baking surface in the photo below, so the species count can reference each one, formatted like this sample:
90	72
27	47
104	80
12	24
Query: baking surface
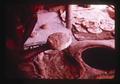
53	23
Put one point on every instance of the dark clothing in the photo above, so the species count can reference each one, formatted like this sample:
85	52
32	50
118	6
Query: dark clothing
20	14
15	15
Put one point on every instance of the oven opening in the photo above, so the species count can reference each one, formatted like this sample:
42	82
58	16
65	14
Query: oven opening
100	58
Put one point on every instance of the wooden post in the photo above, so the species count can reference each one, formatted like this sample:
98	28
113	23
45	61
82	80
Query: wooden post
68	17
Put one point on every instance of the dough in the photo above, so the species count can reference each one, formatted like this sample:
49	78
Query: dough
59	40
107	25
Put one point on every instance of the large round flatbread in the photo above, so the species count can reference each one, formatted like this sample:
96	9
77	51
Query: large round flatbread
107	25
91	26
94	30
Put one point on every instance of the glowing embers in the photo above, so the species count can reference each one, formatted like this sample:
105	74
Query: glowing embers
100	58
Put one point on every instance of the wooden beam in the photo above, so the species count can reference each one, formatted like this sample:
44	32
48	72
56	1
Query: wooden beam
68	17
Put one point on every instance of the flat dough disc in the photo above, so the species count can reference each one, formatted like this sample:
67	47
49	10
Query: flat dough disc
107	25
94	30
59	40
89	24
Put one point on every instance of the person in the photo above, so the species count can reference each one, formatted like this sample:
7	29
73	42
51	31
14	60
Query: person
19	21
